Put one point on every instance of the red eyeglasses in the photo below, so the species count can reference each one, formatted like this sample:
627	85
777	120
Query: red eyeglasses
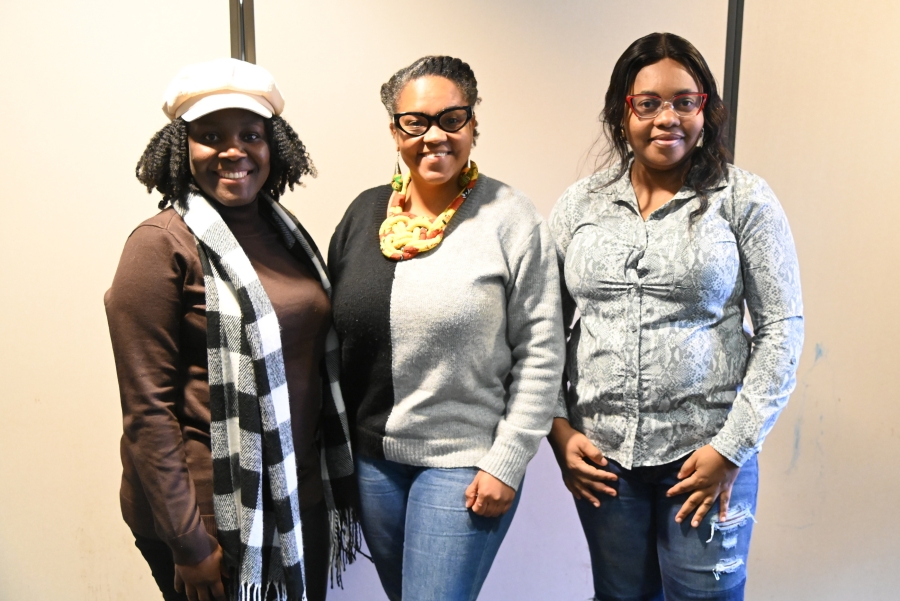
648	106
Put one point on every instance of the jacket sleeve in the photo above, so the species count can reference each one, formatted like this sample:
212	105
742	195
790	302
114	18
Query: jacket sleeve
144	310
535	335
772	291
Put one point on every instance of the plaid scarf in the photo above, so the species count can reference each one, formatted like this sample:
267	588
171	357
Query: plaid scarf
254	467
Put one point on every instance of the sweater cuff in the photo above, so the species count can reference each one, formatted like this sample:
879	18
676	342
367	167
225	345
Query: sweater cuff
192	547
506	462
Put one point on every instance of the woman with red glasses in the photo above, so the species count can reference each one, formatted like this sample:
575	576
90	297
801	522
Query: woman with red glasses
669	398
446	300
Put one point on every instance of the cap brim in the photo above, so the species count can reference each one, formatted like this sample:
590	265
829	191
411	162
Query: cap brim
217	102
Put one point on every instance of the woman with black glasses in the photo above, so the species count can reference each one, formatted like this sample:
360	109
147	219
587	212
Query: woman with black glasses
446	301
669	399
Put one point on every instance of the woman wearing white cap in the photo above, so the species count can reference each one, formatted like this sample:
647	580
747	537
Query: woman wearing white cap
219	316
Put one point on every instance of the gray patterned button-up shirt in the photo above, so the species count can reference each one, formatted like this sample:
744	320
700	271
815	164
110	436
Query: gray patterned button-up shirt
659	362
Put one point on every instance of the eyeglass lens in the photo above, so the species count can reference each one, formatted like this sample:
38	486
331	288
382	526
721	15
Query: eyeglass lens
685	105
416	124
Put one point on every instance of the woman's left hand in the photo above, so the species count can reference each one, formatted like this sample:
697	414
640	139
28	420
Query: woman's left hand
489	497
707	475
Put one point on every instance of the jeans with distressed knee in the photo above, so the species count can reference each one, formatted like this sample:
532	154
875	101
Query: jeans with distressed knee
639	553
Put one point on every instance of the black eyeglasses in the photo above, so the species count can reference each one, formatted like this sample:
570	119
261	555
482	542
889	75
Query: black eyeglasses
450	120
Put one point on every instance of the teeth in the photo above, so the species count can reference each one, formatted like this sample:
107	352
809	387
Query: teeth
233	174
436	154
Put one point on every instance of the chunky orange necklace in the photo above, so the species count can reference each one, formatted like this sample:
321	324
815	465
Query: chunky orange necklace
404	235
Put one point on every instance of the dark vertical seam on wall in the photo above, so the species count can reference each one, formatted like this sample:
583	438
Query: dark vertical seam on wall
733	40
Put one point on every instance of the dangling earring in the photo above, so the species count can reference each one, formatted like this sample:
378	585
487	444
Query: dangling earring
468	174
700	141
397	180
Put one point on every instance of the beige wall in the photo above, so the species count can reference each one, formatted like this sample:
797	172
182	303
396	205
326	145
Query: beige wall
816	122
81	92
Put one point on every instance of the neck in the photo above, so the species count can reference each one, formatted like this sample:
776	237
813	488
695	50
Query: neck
240	219
650	181
424	198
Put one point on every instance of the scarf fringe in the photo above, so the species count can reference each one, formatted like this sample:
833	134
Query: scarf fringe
253	591
346	539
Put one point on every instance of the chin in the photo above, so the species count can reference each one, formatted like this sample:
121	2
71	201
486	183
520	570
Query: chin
664	163
435	178
232	201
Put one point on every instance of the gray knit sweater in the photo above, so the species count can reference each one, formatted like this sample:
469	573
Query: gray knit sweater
453	358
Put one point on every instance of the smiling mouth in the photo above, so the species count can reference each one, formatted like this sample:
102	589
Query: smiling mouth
232	174
435	155
666	140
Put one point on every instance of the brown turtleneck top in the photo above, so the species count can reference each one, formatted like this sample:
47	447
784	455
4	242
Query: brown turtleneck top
157	321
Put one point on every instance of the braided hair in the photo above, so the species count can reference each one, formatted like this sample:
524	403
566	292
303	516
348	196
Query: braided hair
447	67
709	163
165	164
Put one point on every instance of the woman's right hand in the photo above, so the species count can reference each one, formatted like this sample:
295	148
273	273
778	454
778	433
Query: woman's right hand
202	581
573	452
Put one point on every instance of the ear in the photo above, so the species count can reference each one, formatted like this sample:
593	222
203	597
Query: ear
395	134
624	126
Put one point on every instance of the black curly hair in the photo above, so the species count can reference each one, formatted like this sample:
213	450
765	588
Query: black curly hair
165	164
454	69
709	163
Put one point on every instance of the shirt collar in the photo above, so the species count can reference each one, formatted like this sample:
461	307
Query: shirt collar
623	191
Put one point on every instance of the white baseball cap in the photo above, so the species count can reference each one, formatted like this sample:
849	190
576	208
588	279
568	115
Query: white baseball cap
224	83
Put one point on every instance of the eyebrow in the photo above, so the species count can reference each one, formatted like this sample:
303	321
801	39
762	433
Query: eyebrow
446	108
654	93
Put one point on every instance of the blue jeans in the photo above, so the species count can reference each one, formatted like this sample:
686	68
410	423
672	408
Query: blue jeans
426	545
639	553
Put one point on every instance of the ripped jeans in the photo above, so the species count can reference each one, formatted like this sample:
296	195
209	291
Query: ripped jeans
639	553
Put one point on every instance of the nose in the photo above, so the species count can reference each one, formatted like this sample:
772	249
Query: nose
667	115
434	134
233	150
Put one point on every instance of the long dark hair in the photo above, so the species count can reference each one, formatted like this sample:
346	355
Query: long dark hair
709	163
165	164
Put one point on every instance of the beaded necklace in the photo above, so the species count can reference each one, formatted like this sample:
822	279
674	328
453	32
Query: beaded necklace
404	235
